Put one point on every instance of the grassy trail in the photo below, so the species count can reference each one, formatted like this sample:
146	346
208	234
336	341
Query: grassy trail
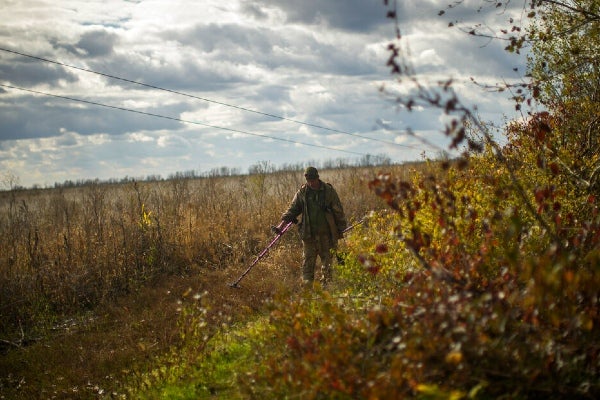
89	357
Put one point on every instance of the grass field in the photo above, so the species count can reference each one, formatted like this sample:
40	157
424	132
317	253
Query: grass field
93	278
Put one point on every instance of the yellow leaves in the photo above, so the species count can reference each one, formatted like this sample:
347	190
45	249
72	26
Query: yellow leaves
298	325
432	391
145	220
454	357
586	322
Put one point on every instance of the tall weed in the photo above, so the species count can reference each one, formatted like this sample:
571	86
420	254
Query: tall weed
67	250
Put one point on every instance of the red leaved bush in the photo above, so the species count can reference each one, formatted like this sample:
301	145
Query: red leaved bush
497	308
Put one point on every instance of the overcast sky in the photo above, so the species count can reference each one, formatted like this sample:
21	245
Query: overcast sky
302	66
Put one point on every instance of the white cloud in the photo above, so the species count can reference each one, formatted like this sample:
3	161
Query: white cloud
318	62
429	57
139	137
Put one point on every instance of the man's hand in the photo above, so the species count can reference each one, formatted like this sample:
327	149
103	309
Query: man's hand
277	229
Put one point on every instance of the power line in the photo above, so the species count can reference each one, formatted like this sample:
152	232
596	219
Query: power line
202	98
179	119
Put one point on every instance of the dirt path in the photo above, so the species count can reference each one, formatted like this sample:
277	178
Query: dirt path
88	357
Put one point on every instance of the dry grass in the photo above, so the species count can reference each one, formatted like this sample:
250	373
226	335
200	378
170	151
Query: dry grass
91	278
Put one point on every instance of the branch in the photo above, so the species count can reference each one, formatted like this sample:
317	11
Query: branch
590	15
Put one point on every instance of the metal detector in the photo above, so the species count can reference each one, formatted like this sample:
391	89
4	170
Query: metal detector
280	232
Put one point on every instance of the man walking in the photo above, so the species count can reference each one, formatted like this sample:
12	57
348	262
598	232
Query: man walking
322	225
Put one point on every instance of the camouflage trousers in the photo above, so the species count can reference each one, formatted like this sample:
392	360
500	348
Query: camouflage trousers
322	247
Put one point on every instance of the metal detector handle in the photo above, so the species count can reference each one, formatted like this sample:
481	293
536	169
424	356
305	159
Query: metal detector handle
279	232
283	226
264	252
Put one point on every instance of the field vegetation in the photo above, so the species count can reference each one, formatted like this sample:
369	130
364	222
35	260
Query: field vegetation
87	258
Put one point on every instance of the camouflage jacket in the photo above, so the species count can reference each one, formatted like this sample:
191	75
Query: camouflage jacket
331	204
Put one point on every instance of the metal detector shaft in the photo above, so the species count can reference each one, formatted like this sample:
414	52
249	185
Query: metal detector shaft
262	253
354	225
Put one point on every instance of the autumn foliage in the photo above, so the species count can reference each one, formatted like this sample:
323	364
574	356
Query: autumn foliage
495	307
483	280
